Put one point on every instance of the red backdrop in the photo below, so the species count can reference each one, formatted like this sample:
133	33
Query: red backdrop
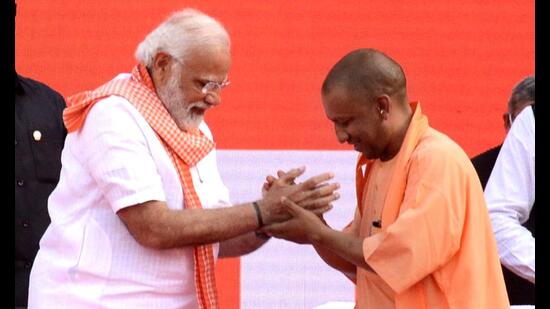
461	59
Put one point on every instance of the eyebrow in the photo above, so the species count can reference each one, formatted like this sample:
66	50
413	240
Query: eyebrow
211	78
339	118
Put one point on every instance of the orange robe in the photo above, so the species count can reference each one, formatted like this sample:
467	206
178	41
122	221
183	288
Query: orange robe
427	231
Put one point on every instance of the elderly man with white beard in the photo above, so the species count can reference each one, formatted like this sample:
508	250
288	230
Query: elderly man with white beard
141	214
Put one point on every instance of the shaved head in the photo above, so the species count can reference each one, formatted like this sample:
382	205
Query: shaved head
367	72
365	96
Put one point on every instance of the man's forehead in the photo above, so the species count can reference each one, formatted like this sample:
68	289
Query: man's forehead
339	104
336	93
342	97
208	61
207	53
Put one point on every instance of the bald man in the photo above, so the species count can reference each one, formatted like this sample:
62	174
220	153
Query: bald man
421	236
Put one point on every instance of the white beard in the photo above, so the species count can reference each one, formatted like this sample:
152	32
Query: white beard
171	94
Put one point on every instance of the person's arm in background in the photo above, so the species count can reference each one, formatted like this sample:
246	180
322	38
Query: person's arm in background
510	195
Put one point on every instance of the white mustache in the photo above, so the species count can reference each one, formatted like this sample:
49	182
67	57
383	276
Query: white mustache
199	105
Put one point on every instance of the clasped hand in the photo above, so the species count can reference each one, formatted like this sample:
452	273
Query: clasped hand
294	203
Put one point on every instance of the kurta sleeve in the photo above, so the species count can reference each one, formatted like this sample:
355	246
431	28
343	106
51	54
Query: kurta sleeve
428	230
120	160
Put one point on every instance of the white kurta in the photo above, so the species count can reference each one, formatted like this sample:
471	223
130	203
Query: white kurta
510	195
87	257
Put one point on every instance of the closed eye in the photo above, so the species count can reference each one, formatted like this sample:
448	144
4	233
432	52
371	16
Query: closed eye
343	122
201	83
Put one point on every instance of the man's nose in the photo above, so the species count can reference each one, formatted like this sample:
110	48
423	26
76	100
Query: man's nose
213	98
341	136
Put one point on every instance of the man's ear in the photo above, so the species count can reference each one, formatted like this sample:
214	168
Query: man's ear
506	121
162	62
383	106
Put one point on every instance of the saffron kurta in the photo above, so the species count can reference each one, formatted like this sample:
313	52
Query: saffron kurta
427	231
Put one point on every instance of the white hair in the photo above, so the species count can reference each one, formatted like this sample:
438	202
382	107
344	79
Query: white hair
182	31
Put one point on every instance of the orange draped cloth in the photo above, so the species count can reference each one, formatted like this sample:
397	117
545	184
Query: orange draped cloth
184	148
427	231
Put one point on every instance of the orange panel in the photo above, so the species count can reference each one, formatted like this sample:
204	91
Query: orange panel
461	58
228	274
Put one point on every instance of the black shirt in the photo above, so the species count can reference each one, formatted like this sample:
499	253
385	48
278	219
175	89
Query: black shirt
484	163
39	138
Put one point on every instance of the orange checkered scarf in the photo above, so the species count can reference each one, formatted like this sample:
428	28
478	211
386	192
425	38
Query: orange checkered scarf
185	150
